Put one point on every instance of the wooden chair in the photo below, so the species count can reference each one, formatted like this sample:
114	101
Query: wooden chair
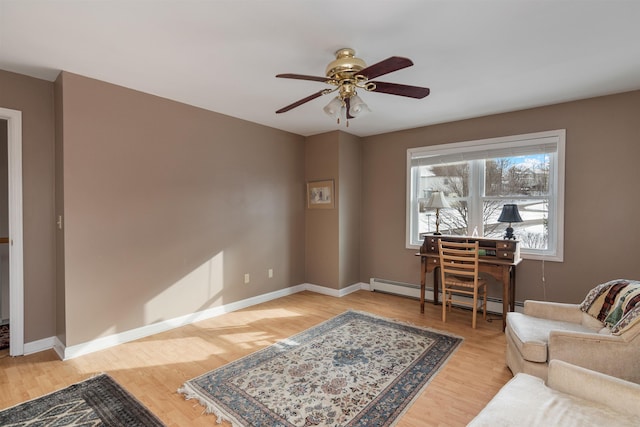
459	275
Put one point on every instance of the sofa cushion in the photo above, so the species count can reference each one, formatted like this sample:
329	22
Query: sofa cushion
592	322
531	334
526	401
615	303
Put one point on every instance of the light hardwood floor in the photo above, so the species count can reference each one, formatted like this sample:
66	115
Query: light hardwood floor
153	368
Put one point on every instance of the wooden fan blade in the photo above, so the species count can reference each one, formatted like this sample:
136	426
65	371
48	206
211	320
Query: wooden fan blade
386	66
300	102
401	90
302	77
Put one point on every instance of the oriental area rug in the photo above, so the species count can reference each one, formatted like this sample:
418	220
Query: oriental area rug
355	369
98	401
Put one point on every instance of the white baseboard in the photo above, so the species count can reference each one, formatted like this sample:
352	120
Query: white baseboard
336	292
58	347
39	345
494	305
102	343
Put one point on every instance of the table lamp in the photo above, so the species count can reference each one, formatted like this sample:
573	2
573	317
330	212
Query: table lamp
510	214
437	201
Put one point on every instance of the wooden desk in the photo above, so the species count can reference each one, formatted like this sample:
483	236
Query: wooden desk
503	270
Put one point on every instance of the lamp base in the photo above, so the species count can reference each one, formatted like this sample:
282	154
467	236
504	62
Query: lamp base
437	233
509	234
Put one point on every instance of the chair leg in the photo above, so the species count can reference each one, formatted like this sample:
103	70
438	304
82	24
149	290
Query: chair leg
484	304
444	303
475	307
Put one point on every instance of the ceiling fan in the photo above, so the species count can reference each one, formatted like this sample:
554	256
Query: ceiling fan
348	73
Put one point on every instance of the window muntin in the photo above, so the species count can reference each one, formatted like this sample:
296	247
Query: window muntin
479	177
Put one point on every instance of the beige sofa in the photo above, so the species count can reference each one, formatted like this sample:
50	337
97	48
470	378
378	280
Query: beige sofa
573	396
581	334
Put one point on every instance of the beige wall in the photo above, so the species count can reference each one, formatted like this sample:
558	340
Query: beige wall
167	206
332	236
350	170
322	237
61	326
34	98
601	203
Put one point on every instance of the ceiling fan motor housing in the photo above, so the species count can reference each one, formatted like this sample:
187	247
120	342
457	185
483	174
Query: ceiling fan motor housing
345	65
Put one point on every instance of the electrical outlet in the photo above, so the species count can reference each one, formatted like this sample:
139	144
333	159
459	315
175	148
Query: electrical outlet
270	273
247	279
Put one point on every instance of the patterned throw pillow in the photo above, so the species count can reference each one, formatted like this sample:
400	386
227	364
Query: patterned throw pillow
615	303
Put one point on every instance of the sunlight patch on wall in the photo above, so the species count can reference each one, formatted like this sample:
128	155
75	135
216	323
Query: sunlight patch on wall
197	290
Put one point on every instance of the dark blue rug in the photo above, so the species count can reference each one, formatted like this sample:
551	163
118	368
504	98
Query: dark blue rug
98	401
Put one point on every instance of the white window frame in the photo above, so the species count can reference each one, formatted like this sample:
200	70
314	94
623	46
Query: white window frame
509	145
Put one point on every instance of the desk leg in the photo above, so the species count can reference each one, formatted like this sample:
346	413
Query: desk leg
506	294
512	289
436	284
423	278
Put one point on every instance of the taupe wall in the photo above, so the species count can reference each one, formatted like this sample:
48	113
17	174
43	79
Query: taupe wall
61	326
167	206
34	98
601	199
332	236
322	238
350	174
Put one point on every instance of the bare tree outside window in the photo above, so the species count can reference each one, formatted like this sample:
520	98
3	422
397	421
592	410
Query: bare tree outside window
479	177
522	180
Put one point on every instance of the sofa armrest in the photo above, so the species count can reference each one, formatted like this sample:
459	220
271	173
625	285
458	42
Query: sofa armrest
564	343
620	395
609	354
553	311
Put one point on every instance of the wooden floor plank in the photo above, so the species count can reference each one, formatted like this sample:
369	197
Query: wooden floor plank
153	368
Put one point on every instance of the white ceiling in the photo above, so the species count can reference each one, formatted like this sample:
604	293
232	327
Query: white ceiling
478	57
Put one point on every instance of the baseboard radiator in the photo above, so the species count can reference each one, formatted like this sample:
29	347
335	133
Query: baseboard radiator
494	305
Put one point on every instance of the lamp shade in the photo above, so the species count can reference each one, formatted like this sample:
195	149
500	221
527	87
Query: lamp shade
510	214
333	107
357	106
437	201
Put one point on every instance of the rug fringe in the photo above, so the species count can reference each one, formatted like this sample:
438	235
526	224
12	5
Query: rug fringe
209	408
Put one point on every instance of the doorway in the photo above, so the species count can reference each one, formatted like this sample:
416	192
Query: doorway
13	132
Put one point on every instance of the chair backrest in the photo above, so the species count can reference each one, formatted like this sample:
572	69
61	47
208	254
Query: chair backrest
459	259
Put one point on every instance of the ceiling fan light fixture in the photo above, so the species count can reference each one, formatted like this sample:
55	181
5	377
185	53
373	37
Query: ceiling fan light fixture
334	107
358	107
347	74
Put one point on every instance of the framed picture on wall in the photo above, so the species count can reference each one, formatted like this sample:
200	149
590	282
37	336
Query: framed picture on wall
320	194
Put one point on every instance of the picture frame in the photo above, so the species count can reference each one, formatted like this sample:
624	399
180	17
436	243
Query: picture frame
320	194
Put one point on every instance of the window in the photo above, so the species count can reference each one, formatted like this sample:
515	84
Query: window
479	177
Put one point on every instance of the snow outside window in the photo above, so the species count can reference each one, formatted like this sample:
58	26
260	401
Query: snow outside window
479	177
